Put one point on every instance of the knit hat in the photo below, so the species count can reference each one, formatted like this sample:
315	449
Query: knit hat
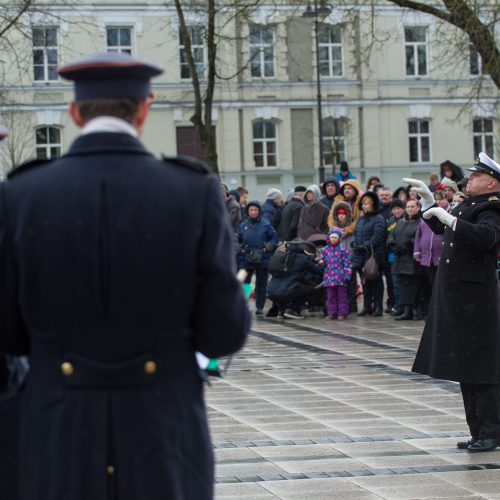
342	210
448	183
274	194
300	189
235	193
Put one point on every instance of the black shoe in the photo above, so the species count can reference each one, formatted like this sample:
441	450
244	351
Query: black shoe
463	445
377	312
273	312
292	314
259	312
364	312
397	311
407	315
483	445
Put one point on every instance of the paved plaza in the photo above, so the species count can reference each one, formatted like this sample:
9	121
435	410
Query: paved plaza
324	409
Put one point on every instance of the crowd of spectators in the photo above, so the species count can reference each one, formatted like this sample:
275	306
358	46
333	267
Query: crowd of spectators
332	233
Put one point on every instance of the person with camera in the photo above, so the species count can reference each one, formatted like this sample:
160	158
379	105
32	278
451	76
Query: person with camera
369	239
257	240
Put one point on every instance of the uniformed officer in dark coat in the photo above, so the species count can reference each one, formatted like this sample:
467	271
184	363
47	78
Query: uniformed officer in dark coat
461	339
111	280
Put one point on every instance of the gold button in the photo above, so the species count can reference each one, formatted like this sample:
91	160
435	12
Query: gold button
67	369
447	261
459	213
473	203
150	367
442	243
110	469
451	244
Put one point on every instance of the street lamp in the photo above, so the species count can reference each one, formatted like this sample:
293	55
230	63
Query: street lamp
324	11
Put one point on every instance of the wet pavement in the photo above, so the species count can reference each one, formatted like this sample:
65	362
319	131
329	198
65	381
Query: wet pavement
323	409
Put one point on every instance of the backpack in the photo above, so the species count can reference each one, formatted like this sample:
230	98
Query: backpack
281	261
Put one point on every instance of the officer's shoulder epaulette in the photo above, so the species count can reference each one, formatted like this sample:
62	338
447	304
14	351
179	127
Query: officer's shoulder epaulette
188	161
25	167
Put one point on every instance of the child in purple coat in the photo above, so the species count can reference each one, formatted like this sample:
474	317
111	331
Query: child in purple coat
336	274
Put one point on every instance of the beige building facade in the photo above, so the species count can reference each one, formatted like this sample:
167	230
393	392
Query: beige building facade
394	107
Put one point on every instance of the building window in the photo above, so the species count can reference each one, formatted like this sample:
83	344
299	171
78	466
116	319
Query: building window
416	50
420	141
330	50
119	40
475	64
265	143
334	138
48	143
262	52
196	36
45	54
482	132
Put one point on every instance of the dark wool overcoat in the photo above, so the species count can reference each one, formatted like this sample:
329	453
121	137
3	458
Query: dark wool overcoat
115	267
461	339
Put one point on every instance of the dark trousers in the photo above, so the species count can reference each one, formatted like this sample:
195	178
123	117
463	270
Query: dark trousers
352	284
373	293
337	302
482	409
386	269
297	299
431	273
260	285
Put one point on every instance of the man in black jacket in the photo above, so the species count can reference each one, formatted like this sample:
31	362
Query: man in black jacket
290	215
460	341
111	280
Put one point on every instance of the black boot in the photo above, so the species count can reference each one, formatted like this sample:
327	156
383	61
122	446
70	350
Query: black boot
419	313
407	314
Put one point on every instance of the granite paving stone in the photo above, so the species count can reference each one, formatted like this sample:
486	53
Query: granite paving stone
318	409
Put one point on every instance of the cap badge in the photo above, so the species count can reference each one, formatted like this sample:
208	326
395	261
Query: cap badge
493	198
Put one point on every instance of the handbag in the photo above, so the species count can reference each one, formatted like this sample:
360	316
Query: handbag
371	270
254	256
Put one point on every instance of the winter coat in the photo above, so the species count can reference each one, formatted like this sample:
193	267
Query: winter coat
369	233
334	219
337	262
355	208
401	241
289	222
460	341
428	245
233	210
111	286
313	217
268	211
284	288
257	234
327	201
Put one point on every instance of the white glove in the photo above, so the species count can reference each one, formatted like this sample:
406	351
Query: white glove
421	189
444	216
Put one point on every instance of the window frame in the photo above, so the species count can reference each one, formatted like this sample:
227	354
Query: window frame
48	146
258	52
337	154
121	49
46	65
418	137
200	66
265	141
415	52
330	48
483	135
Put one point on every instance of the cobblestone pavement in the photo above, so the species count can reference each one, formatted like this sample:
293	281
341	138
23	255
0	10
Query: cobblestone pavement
324	409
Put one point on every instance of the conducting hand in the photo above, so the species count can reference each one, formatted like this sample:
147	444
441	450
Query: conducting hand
444	216
421	189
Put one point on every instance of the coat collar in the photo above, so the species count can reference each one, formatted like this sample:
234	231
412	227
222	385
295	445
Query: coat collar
106	142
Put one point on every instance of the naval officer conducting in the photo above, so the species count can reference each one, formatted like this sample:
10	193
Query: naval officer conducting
111	277
461	338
